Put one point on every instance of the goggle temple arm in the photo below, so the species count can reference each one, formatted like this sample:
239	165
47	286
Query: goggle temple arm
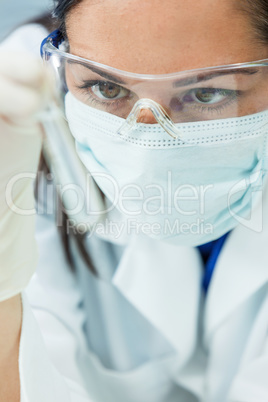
56	38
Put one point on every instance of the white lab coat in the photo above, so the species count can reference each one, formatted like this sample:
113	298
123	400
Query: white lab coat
214	349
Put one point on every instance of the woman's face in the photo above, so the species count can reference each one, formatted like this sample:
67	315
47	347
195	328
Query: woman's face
162	36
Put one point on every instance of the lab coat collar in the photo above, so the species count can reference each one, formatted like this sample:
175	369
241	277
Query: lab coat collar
241	269
39	379
163	282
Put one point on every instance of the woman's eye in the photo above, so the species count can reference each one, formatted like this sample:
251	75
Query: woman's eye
108	90
208	95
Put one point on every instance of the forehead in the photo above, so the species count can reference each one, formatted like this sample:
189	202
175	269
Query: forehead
162	36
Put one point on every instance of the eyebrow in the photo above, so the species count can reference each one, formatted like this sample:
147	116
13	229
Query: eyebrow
206	77
179	83
100	72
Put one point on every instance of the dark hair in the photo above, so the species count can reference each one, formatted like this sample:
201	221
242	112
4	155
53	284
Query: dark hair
257	11
61	10
62	223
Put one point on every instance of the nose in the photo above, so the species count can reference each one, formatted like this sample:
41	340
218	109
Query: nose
148	111
146	117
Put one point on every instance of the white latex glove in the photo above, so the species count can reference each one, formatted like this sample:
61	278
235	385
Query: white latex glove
22	91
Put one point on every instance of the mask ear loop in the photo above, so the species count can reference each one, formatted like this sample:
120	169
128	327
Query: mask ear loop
159	113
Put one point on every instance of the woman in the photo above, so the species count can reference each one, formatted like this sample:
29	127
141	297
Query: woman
143	329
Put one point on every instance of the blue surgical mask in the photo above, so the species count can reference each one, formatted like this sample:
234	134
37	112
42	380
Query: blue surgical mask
183	193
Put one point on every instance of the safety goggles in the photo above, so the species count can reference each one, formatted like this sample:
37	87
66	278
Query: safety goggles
207	94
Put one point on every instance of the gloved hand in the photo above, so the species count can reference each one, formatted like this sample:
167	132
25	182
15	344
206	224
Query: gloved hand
23	88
